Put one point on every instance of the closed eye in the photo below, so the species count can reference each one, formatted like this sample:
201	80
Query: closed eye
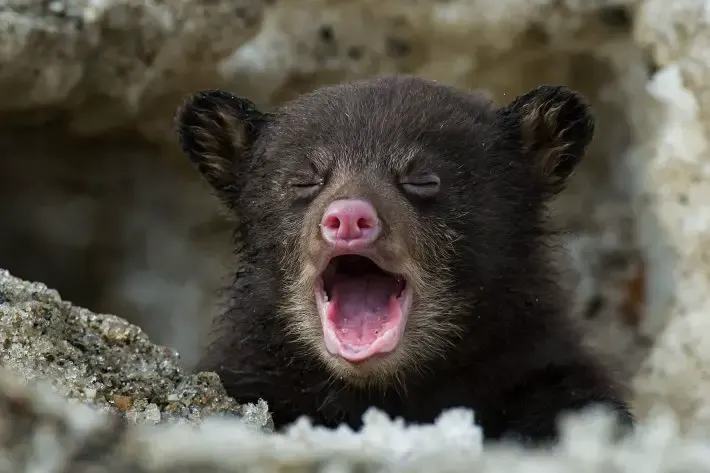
306	189
421	185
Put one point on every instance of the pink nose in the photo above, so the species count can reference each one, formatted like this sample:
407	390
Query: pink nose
350	222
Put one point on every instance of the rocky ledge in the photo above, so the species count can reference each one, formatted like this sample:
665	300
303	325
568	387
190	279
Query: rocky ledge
84	392
104	361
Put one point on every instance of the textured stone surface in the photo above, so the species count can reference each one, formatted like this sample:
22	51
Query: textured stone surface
41	432
104	361
112	61
106	64
672	173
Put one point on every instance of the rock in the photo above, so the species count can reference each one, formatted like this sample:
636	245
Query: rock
113	61
41	431
671	171
110	64
104	361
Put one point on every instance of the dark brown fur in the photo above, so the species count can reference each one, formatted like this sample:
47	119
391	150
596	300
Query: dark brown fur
488	328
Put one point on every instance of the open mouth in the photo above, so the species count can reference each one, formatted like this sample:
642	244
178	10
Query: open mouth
363	309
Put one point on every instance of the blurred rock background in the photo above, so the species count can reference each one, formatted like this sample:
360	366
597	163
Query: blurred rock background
97	202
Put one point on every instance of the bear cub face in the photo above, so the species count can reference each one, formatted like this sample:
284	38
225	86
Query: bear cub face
385	209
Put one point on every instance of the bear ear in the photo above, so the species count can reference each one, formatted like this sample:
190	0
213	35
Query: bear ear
556	125
216	130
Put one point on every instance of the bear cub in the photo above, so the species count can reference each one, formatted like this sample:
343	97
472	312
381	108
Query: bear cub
392	251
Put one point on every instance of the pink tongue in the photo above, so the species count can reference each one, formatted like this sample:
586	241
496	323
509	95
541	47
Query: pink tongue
362	306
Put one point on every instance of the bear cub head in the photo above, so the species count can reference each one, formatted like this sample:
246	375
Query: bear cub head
386	213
